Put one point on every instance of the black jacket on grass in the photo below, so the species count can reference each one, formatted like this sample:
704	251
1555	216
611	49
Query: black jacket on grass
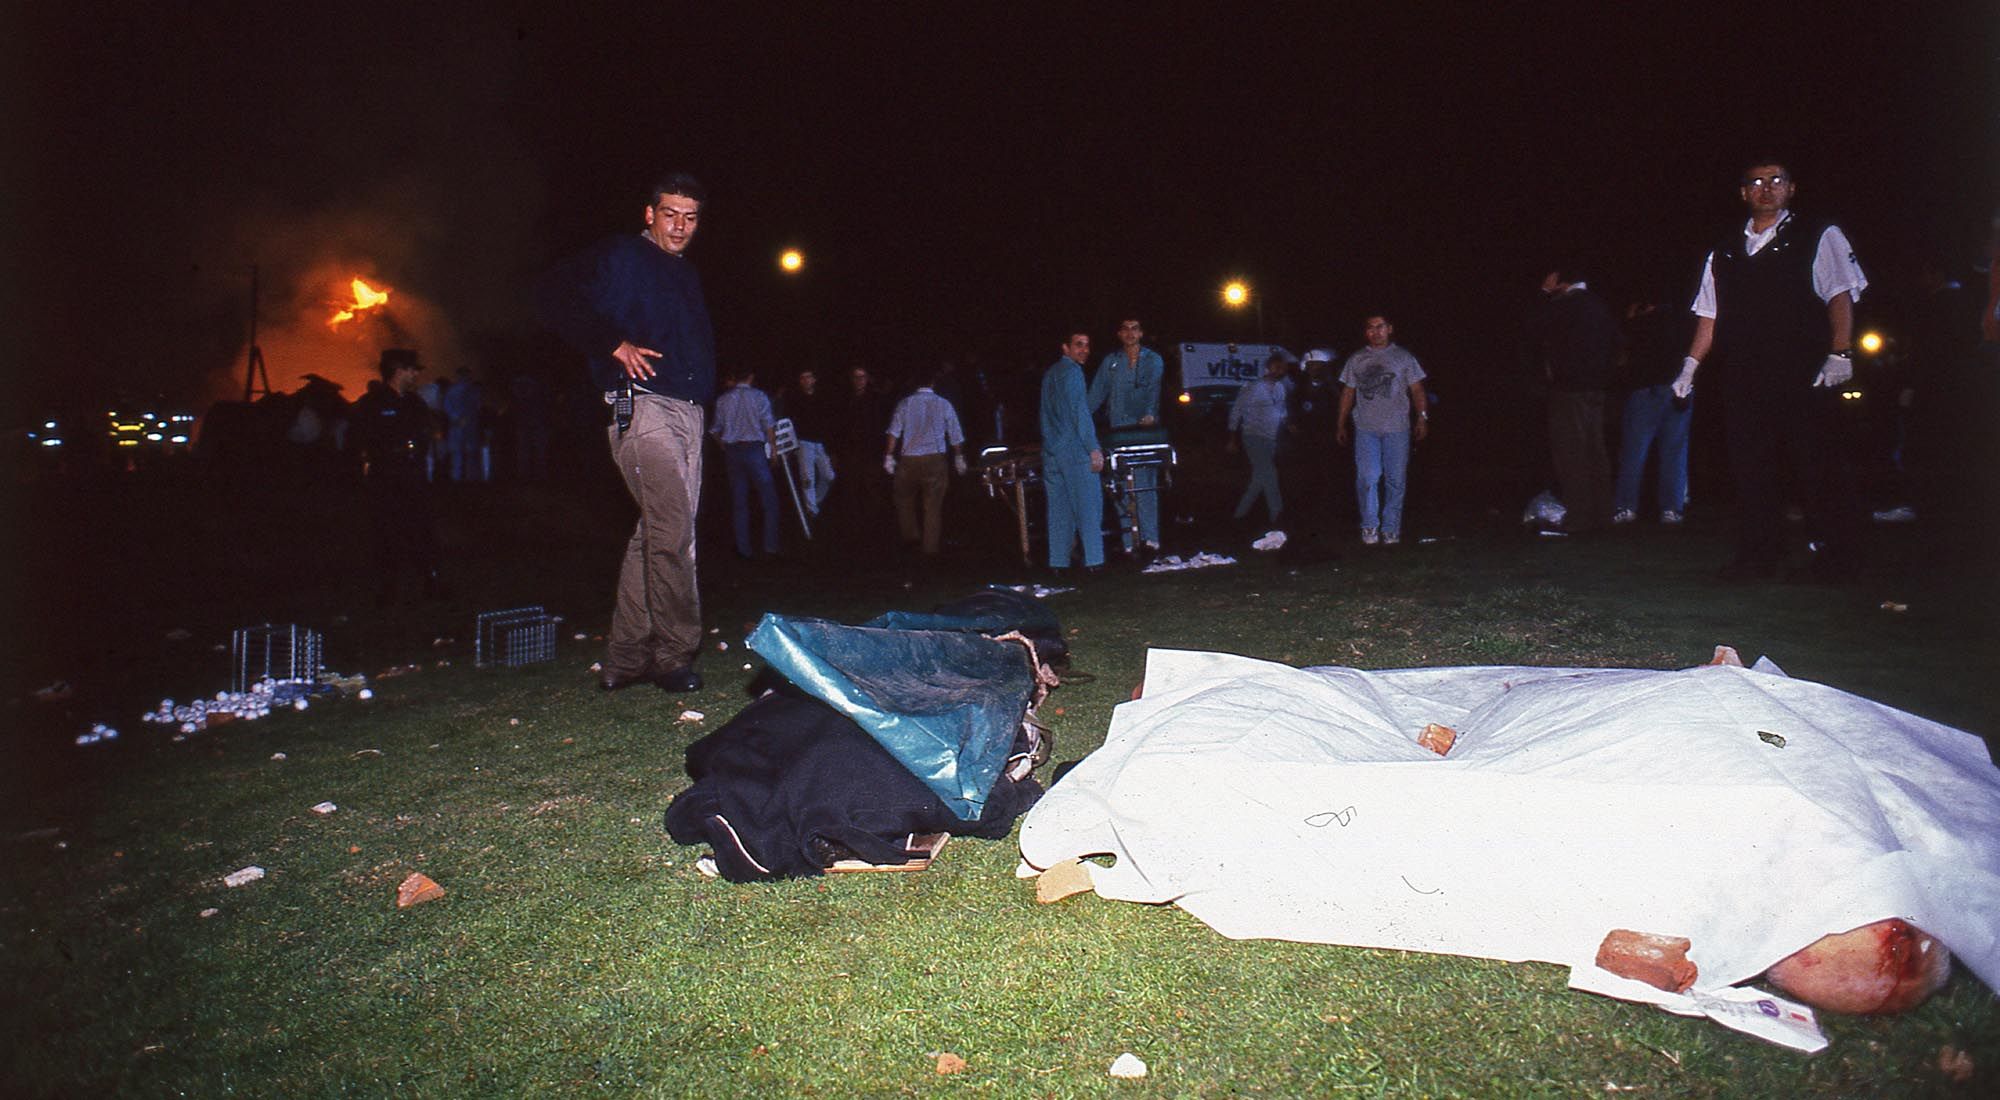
790	783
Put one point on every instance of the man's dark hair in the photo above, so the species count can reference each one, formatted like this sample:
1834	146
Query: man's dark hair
395	359
1767	156
1371	314
1073	332
679	183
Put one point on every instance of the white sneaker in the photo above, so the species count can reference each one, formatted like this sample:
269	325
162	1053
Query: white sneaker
1624	515
1670	518
1369	537
1391	538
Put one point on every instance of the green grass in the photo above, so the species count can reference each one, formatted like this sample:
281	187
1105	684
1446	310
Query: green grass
578	951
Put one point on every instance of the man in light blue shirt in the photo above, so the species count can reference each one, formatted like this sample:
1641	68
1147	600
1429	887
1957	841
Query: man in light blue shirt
748	433
1126	388
1071	459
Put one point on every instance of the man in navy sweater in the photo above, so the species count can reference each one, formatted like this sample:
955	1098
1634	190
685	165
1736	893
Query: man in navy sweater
633	305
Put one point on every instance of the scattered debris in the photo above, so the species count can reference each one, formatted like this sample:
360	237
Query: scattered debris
1071	876
243	877
579	636
1955	1064
365	694
1726	655
746	667
209	912
948	1063
359	753
324	808
513	721
416	890
1272	540
227	706
1128	1066
706	865
279	756
398	670
1892	605
1659	961
691	716
1173	563
1438	739
98	732
179	634
1038	591
1775	740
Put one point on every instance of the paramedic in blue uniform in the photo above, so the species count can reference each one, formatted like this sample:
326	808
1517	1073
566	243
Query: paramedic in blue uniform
1776	305
1071	459
634	306
1126	388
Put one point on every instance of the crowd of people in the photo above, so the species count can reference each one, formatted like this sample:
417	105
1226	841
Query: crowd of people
1769	330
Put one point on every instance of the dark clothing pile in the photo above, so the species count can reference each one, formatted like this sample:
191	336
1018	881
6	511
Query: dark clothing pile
789	784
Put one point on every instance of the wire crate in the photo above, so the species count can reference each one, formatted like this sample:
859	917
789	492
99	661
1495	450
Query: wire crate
288	653
515	637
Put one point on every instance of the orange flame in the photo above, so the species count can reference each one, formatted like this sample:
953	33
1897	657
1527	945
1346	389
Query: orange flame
365	298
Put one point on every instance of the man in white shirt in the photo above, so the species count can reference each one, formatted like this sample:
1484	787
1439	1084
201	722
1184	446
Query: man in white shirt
927	427
1776	304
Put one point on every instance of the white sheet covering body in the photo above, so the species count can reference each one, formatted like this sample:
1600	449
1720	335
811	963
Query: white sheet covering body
1295	804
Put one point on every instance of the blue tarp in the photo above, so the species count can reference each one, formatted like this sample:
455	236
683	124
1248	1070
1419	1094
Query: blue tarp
944	700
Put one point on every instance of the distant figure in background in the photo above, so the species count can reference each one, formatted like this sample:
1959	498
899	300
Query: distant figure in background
1777	302
1579	345
812	422
530	400
463	404
1126	388
1071	459
858	508
1655	421
634	305
745	427
1384	386
1258	418
926	426
392	430
1307	454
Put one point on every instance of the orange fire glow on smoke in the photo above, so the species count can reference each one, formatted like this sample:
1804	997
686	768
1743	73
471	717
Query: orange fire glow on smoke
365	298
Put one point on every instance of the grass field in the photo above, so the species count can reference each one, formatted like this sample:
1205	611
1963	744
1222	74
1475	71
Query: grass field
578	950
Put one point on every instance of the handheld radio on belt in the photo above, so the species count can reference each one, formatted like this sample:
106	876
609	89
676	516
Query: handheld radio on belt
620	401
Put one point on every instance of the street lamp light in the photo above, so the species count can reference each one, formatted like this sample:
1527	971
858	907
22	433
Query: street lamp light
791	260
1236	293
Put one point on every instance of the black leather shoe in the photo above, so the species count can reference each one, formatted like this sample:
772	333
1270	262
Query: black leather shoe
616	681
679	681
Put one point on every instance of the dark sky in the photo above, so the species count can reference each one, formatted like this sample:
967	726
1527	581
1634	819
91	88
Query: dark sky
960	176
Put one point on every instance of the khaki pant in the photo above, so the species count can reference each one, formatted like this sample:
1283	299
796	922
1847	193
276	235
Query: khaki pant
656	622
924	476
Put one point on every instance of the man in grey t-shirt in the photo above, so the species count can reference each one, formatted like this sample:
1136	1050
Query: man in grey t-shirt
1382	385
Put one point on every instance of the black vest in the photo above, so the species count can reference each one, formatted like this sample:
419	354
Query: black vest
1770	325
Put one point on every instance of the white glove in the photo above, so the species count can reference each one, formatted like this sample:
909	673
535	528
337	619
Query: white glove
889	465
770	453
1684	385
1835	371
958	464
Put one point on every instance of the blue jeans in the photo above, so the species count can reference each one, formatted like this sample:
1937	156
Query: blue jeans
1380	460
747	468
1653	423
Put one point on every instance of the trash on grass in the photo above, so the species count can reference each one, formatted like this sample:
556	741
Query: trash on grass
692	716
98	732
324	808
1071	876
209	912
243	877
1892	605
1128	1066
55	692
1173	563
279	756
1272	540
948	1063
1038	591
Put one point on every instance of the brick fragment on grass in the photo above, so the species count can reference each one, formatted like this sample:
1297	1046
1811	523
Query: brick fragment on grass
948	1063
416	890
1062	880
1659	961
1438	739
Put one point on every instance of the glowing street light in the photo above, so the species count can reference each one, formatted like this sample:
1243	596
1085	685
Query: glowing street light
791	260
1871	342
1236	294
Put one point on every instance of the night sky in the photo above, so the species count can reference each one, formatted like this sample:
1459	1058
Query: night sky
959	182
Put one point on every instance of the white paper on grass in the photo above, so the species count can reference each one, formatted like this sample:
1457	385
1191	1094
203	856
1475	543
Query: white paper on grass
1295	804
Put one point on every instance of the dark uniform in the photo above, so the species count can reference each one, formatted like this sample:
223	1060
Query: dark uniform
393	433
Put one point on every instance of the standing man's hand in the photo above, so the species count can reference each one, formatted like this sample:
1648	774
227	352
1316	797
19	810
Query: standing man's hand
1684	385
1423	427
634	359
889	465
958	464
1835	371
1340	433
1097	462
